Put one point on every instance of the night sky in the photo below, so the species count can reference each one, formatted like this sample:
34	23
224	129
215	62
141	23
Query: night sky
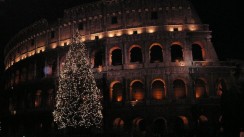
224	18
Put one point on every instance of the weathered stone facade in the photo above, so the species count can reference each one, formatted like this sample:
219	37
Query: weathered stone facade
153	60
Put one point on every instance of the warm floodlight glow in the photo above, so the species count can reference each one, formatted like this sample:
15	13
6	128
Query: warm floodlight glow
151	30
139	31
110	34
119	33
179	28
83	39
54	45
17	59
130	31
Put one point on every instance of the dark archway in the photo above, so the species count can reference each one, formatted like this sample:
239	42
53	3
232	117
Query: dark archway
116	57
176	53
179	89
159	127
197	52
98	59
156	54
136	55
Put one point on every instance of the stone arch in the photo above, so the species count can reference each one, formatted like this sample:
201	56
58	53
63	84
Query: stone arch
138	127
116	91
221	86
135	53
137	92
176	52
198	52
159	127
118	124
203	119
115	56
97	58
203	126
38	98
179	88
200	88
156	53
158	89
181	125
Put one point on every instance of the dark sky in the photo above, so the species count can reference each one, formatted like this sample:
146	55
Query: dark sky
224	18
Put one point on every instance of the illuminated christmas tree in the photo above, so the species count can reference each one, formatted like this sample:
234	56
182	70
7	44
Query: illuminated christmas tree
78	100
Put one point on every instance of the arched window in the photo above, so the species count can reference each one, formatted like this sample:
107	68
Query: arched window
139	124
179	89
98	59
197	52
116	57
118	124
220	87
176	53
156	54
159	127
38	98
137	91
203	126
117	90
180	126
136	55
200	89
158	90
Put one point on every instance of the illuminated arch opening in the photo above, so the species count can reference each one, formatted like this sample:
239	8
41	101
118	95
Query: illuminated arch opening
116	91
139	124
158	89
176	53
118	124
200	89
137	90
156	53
38	98
220	87
181	125
179	89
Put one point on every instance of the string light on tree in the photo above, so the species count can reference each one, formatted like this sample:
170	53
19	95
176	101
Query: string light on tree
78	100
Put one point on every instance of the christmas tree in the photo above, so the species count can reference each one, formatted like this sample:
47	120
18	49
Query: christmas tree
78	100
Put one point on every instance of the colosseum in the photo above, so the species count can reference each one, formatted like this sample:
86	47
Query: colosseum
152	59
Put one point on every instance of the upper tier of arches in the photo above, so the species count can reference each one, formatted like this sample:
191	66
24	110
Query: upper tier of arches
102	20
